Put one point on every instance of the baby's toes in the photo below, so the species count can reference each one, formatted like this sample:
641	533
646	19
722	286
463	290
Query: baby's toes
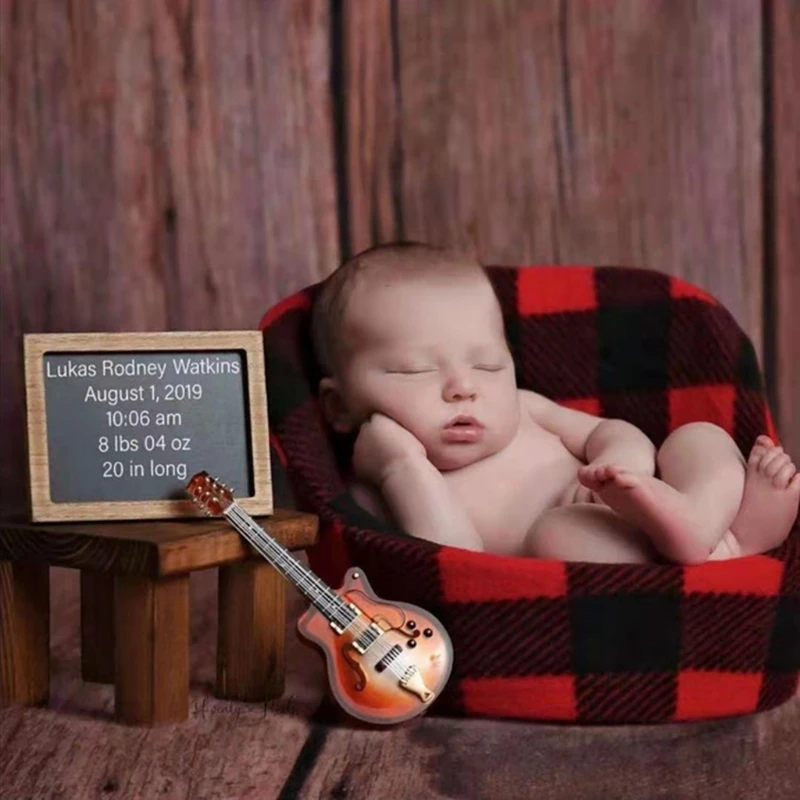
593	474
607	472
775	465
784	475
767	458
625	479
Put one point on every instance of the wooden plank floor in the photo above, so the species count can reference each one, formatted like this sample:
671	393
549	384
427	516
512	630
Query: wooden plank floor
297	747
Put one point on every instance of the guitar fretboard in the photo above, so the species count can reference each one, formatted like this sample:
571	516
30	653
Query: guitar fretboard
317	591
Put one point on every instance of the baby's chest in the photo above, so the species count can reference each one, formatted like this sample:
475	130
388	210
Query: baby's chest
505	494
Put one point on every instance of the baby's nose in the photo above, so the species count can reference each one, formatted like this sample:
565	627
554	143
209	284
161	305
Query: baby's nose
459	387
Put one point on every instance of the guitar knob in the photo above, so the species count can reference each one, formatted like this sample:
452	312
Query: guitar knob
427	632
411	624
412	642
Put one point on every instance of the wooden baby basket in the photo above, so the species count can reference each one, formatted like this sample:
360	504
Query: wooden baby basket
550	640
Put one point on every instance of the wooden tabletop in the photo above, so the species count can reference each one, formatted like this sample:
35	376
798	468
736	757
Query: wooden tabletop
155	548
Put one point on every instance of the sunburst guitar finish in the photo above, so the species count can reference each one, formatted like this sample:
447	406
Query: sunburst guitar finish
390	663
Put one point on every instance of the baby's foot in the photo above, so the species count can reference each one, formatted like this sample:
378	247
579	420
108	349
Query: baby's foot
666	515
770	499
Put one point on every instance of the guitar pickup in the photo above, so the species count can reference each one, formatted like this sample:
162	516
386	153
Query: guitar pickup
388	658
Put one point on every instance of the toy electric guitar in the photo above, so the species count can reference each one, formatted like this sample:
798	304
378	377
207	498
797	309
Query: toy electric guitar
386	662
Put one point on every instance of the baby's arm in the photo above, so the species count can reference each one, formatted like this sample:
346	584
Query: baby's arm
423	505
390	458
593	439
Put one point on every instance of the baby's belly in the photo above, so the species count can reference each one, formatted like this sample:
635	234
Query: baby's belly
505	494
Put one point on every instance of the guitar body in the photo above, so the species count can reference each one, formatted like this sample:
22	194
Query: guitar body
375	686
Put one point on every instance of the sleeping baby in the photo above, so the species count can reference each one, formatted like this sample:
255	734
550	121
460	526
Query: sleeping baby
412	345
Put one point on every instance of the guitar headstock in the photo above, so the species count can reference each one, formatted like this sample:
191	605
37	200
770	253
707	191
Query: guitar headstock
210	494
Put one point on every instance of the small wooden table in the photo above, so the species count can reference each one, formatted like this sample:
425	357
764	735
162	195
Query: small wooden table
135	608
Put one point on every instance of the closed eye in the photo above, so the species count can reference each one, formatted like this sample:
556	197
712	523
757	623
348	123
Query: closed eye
409	371
490	367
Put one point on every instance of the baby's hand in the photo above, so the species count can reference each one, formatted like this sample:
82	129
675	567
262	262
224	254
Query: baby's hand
380	444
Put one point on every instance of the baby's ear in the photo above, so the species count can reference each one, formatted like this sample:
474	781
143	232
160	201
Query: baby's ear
333	406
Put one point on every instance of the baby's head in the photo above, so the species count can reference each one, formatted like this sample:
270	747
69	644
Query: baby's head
416	333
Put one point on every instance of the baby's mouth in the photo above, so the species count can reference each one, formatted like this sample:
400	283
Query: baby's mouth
463	428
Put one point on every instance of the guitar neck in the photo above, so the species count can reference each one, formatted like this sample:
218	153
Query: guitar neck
317	591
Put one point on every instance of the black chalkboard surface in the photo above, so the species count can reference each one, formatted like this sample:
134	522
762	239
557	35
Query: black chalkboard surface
118	423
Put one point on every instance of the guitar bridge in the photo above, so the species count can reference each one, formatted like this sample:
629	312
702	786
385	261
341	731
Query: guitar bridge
412	682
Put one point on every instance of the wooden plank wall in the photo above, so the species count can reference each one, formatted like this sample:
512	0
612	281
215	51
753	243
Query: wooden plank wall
183	164
563	132
165	166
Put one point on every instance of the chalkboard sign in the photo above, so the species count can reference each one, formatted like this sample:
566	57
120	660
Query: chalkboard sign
118	423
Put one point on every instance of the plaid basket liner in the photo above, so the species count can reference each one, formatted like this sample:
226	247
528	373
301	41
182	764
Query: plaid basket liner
564	641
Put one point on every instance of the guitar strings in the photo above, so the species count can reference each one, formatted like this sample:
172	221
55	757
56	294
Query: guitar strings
293	565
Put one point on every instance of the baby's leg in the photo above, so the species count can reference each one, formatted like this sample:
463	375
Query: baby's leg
587	532
689	510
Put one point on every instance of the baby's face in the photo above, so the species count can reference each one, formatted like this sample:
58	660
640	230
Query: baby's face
424	355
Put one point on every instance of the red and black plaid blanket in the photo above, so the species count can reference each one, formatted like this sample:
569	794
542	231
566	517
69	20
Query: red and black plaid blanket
544	639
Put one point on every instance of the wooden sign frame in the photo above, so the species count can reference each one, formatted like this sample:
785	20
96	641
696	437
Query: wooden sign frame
43	509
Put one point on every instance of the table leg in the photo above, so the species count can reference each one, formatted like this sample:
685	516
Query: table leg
24	633
251	625
97	626
151	633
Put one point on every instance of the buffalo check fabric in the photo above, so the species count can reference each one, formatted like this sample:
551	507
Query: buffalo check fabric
549	640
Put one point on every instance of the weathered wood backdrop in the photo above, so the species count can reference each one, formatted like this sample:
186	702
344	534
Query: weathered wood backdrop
180	164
